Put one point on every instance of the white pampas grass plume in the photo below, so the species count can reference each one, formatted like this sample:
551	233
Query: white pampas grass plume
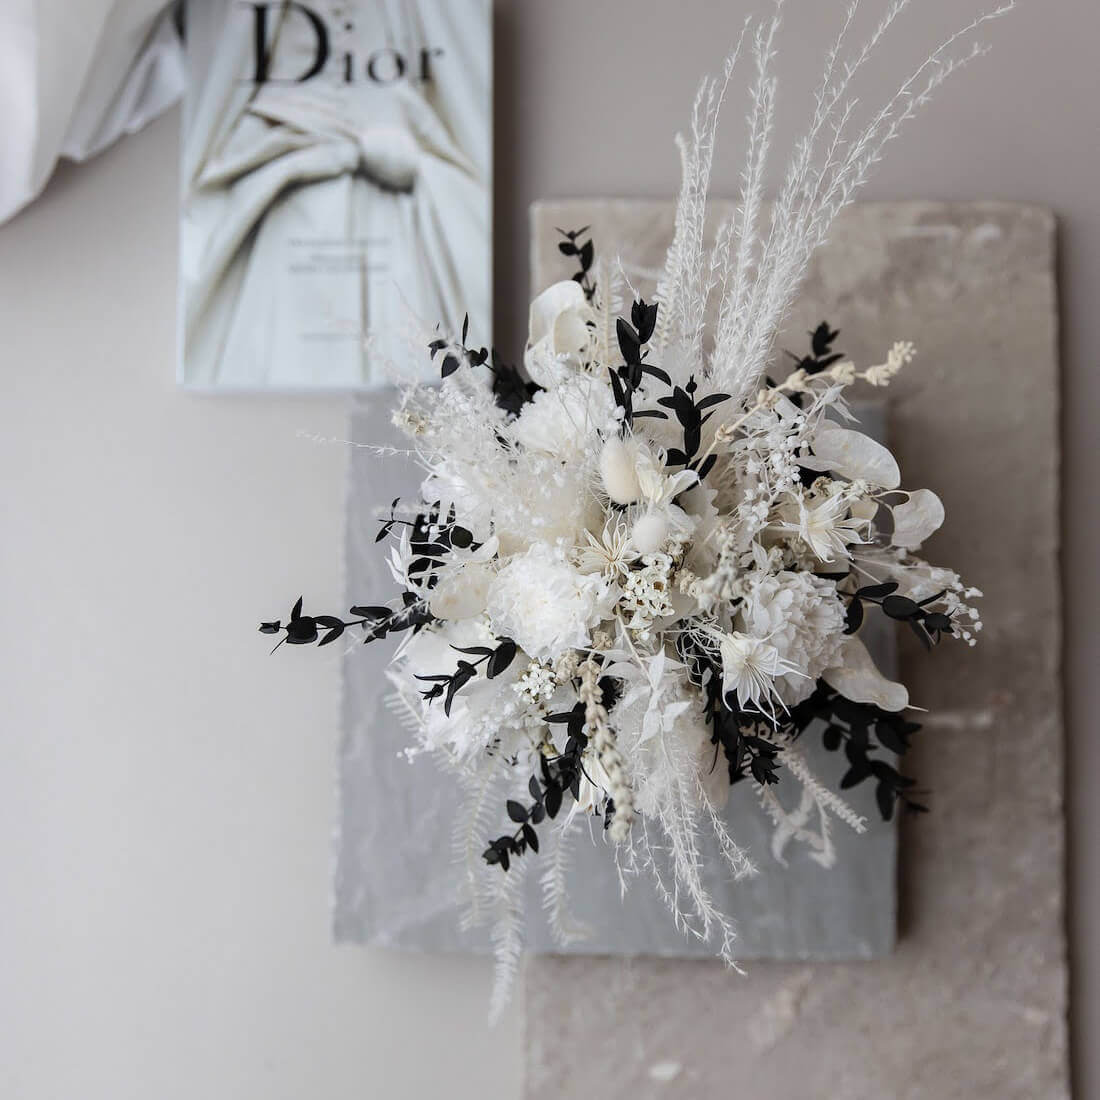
619	470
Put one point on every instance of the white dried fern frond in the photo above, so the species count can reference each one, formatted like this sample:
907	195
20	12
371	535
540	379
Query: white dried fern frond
506	935
816	800
564	927
477	817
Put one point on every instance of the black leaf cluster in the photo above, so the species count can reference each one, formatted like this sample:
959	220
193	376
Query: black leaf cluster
861	728
558	776
455	356
690	413
572	244
431	537
626	379
820	358
447	685
732	728
821	355
928	626
377	622
511	390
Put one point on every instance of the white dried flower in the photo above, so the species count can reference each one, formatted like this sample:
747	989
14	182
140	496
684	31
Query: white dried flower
545	605
750	667
802	617
619	469
824	526
537	684
559	421
560	333
647	592
612	553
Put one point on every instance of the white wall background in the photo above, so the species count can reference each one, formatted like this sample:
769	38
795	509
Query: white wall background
165	787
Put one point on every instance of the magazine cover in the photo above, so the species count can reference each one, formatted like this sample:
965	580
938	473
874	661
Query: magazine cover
336	190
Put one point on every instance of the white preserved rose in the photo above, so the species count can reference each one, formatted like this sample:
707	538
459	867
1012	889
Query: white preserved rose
560	333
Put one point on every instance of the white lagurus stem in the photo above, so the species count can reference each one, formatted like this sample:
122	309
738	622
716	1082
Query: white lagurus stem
607	752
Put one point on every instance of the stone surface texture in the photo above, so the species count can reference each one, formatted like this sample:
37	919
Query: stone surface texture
973	1001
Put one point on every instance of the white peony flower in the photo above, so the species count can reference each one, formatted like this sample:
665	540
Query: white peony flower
560	333
801	616
545	605
558	421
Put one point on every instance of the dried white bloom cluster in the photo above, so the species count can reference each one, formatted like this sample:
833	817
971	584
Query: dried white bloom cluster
638	570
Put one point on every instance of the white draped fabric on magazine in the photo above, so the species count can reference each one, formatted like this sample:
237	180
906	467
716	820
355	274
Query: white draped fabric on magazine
336	191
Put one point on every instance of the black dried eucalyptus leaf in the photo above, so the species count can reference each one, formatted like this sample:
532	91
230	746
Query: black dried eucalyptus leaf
877	591
885	796
644	318
853	620
900	607
371	612
502	657
629	343
553	802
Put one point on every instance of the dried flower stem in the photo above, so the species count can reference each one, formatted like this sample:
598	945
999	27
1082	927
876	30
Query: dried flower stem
607	752
798	381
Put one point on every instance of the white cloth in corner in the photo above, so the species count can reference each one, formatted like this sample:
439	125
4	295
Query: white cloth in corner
74	78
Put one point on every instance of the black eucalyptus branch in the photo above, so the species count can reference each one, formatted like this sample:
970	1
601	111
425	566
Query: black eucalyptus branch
377	622
585	252
861	728
928	626
447	685
559	775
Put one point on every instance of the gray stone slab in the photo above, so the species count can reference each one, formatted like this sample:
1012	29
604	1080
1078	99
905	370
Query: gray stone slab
972	1003
397	880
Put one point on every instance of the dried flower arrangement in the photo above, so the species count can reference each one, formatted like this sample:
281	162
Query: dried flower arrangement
638	568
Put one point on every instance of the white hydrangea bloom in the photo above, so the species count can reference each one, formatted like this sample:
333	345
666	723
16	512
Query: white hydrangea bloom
544	604
801	616
559	421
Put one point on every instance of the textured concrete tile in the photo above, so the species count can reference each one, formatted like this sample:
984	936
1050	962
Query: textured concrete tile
973	1001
